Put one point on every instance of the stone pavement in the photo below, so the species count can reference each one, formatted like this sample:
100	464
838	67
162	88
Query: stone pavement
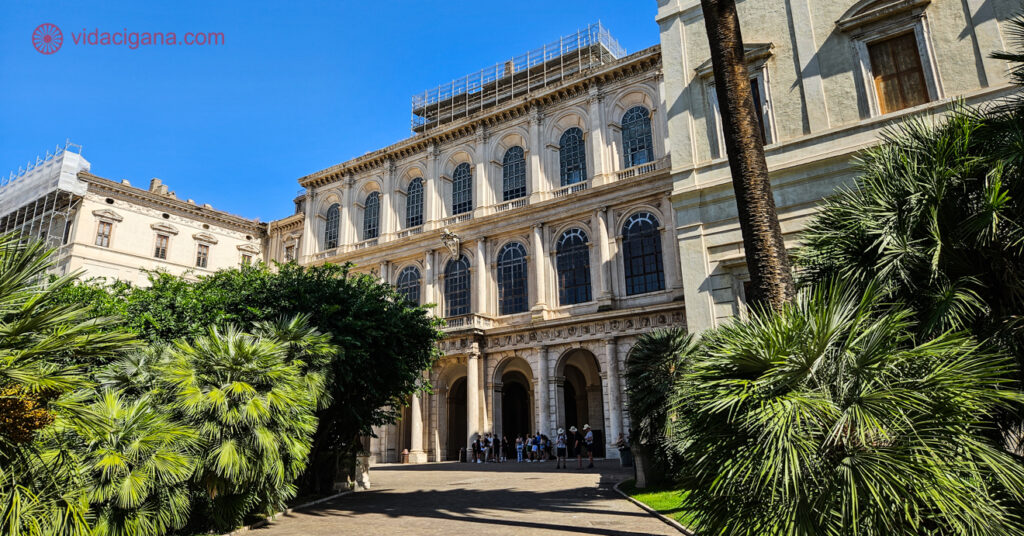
482	499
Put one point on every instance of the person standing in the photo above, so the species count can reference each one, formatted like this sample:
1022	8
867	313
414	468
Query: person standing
588	442
519	449
576	445
560	449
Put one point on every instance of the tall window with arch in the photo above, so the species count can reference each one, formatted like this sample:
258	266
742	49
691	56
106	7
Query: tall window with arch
371	216
512	279
641	254
331	227
462	189
414	203
456	287
572	262
513	174
637	142
572	157
408	284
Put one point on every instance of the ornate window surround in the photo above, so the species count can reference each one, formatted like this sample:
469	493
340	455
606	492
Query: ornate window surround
865	25
756	56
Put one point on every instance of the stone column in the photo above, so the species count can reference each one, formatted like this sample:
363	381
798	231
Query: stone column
538	184
432	187
416	454
479	303
307	244
596	145
614	394
604	279
385	277
669	247
544	392
537	257
481	188
429	279
472	397
388	219
346	222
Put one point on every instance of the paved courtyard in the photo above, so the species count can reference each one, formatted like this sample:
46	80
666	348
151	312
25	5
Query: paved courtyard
483	499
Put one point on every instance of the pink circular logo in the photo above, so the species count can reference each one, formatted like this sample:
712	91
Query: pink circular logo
47	38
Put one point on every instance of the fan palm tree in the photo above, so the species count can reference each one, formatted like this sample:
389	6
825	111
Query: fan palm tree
254	410
43	345
765	250
654	366
137	467
832	417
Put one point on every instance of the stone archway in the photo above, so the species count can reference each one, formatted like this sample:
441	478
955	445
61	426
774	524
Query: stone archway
456	418
580	395
513	398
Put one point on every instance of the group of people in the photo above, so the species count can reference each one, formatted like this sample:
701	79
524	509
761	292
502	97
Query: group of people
537	448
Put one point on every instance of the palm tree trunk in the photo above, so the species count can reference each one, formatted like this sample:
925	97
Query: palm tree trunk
765	250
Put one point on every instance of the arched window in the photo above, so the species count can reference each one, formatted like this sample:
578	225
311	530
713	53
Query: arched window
572	157
637	145
572	262
456	287
331	228
513	174
414	203
641	254
512	279
408	284
462	189
371	216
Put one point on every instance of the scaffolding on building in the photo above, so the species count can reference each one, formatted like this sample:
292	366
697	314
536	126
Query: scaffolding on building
590	47
38	201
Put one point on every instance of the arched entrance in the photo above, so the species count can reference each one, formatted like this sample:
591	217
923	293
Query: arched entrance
516	417
581	395
456	418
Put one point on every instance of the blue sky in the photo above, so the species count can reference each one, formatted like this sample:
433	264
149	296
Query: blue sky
297	86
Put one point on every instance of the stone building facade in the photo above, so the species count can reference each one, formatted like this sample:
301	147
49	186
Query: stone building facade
829	77
539	224
110	229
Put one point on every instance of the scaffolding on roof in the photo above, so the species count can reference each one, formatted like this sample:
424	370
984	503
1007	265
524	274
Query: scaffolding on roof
590	47
39	199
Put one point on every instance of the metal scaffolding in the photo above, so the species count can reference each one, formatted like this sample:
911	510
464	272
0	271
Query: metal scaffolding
40	199
590	47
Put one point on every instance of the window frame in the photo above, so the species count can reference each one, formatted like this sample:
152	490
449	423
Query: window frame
582	284
512	275
627	256
332	233
371	215
513	170
108	236
582	157
416	219
157	253
758	73
627	160
465	180
403	284
202	254
466	292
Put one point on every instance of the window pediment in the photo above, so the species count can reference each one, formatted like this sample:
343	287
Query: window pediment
164	228
107	214
867	12
205	237
753	54
249	248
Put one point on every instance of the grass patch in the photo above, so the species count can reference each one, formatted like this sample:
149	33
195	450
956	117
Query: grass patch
666	501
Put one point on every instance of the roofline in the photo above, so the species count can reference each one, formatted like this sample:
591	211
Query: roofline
638	61
197	211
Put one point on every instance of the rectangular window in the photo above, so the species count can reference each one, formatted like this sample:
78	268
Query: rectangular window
761	105
289	253
898	73
161	246
103	234
246	260
202	255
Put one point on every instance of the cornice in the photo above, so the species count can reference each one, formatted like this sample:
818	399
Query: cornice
572	87
101	185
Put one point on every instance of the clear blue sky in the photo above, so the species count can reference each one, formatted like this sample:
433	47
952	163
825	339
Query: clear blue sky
297	86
